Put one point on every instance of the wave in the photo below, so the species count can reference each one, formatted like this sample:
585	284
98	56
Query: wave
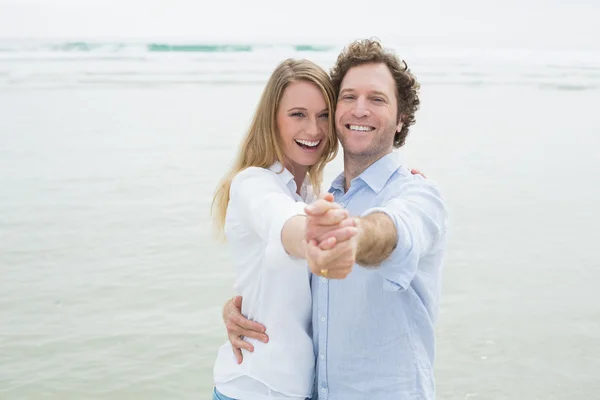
197	48
79	63
151	47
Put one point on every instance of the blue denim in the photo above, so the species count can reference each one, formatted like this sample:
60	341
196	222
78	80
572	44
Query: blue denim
220	396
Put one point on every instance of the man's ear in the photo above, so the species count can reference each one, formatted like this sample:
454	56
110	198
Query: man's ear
400	124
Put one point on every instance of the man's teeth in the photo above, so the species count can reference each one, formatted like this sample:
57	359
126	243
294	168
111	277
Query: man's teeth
309	143
360	128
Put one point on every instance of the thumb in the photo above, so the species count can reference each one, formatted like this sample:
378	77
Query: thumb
237	301
327	196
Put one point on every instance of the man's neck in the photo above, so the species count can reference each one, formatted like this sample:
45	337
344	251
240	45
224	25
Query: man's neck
356	165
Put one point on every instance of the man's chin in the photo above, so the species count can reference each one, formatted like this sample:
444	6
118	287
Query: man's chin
356	151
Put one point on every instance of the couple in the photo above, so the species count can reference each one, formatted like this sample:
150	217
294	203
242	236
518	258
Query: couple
358	323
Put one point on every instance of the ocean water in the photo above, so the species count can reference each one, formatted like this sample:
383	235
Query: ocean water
111	284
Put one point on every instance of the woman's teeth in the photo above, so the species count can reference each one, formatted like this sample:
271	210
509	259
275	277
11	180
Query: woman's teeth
309	143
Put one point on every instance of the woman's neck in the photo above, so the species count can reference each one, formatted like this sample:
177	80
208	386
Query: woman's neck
299	173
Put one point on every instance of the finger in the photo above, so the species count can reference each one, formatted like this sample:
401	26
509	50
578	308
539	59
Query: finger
348	222
321	259
320	233
236	329
238	325
317	227
312	256
327	197
246	324
238	355
320	207
238	343
415	171
327	243
252	334
330	217
340	235
237	301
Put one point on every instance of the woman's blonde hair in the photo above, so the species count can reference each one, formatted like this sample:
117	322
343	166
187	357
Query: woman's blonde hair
262	147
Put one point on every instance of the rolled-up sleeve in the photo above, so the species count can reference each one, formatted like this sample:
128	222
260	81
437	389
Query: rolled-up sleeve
420	217
262	204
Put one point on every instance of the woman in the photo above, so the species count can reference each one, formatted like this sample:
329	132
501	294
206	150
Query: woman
259	206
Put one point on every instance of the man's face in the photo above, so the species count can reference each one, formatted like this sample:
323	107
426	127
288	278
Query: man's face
366	112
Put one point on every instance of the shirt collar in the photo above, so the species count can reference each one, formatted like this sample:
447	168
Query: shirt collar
288	178
376	175
338	184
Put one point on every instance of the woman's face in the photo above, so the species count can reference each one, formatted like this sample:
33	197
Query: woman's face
302	122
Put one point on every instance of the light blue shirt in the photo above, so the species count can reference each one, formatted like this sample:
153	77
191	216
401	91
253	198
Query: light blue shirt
373	332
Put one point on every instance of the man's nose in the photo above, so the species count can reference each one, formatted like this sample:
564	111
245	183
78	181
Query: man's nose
360	108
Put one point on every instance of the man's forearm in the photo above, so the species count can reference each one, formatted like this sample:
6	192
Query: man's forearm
377	239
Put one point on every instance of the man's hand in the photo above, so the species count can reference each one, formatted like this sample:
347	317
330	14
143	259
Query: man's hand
239	326
417	172
326	219
331	236
334	261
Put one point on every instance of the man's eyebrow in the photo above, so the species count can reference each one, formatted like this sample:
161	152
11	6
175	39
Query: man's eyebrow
379	93
376	92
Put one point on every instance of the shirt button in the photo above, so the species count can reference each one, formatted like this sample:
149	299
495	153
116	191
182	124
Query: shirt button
322	356
323	280
323	390
323	319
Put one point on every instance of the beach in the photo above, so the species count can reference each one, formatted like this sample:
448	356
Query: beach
112	284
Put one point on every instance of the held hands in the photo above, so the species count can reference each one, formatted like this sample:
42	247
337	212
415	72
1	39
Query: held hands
332	238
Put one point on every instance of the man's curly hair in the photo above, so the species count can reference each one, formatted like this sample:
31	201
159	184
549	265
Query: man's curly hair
370	51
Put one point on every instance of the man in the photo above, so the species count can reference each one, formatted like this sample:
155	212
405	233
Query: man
373	332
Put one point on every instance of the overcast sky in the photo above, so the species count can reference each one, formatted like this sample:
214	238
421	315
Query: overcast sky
508	22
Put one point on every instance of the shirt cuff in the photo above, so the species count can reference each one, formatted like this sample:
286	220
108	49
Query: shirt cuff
275	252
400	267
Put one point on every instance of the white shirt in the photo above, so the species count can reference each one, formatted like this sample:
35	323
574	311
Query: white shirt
275	287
